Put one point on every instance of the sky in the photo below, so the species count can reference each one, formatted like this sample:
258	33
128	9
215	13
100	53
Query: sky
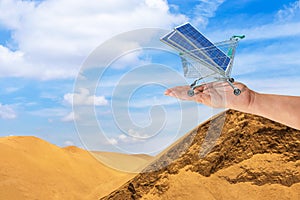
92	73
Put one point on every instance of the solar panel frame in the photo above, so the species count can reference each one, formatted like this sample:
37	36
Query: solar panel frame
191	54
205	54
201	42
194	50
169	42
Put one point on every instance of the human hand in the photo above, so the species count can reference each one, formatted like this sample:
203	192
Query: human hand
216	94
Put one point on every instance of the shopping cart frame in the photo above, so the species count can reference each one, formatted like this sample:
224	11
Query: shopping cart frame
188	58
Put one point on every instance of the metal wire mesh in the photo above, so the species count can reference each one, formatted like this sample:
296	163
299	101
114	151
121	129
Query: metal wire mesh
206	66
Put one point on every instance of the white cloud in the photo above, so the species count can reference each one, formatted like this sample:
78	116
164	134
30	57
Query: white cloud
112	141
289	12
263	32
68	143
286	24
137	134
131	59
7	112
205	10
275	85
122	137
70	117
84	98
260	61
13	18
132	137
54	37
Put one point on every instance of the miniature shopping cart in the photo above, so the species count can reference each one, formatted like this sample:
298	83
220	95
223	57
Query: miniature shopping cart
201	59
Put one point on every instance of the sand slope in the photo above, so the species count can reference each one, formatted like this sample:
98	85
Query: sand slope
254	158
31	168
133	163
235	182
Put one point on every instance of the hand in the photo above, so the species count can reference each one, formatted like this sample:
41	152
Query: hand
216	94
220	95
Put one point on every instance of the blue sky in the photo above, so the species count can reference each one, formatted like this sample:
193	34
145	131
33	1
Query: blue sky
45	44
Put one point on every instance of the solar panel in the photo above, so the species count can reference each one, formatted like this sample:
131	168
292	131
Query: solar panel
171	39
189	48
188	39
201	59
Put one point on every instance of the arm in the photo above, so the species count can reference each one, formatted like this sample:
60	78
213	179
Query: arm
283	109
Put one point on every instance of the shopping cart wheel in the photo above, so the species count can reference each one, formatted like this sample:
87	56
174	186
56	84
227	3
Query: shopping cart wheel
191	92
236	92
231	80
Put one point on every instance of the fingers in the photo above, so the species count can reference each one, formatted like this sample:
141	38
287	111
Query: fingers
201	94
214	94
168	92
179	92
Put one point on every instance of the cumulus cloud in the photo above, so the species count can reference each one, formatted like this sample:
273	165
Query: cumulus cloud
7	112
84	98
12	19
52	38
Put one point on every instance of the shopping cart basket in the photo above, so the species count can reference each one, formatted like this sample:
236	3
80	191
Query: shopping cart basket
201	59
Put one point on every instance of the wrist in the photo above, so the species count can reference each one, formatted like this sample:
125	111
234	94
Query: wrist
253	99
245	102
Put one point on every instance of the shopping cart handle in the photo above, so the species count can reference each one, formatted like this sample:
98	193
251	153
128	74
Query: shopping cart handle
238	37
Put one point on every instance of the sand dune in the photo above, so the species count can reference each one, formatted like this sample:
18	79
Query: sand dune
31	168
229	183
253	158
124	162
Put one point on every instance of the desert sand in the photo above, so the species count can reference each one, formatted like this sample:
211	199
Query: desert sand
133	163
253	158
31	168
191	185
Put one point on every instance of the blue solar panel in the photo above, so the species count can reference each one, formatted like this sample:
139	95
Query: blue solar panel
172	39
201	42
189	40
166	37
166	40
188	47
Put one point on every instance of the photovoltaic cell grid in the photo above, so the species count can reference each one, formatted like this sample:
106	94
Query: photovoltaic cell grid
188	47
189	40
180	43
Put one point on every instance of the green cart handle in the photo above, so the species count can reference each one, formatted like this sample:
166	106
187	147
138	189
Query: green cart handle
235	37
238	37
